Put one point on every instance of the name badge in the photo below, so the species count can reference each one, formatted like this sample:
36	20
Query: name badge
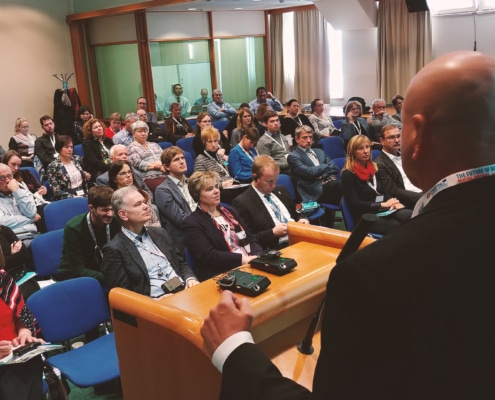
378	199
80	192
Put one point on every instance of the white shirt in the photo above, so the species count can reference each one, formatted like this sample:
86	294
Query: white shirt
397	160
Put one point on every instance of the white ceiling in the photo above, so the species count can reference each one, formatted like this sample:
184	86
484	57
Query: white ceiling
228	5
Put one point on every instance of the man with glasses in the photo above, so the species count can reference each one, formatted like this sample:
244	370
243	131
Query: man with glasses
218	109
379	118
125	136
142	104
17	207
394	180
86	234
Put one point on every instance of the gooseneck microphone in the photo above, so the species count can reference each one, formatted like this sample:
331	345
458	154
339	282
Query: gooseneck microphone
352	244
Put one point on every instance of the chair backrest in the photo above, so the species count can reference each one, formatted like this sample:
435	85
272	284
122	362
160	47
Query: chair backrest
193	122
165	145
337	123
340	161
33	170
46	250
333	146
190	163
190	260
59	212
375	153
221	125
186	144
346	215
78	150
69	308
286	181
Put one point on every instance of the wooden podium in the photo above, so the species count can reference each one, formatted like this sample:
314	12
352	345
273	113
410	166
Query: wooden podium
160	349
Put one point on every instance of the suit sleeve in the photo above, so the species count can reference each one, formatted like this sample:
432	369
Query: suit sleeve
113	268
167	206
303	171
91	158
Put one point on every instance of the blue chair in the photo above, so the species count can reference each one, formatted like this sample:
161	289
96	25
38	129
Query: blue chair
286	181
46	250
221	125
59	212
340	161
165	145
333	146
33	170
337	123
186	144
375	153
192	122
66	310
190	163
78	150
190	260
349	220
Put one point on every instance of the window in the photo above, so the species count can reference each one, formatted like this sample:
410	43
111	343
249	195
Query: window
440	7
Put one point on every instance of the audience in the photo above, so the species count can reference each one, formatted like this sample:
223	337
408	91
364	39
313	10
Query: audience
379	118
397	102
204	100
322	123
172	196
218	109
142	104
363	190
244	121
86	234
354	124
121	175
293	119
125	136
266	207
115	125
65	174
202	121
155	133
96	148
213	234
273	143
264	97
142	259
175	126
23	142
232	125
83	115
242	156
177	98
44	146
393	178
145	156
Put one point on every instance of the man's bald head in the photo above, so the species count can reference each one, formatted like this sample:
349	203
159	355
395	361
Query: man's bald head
449	117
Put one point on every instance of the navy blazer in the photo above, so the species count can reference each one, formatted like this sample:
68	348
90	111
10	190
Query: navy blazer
208	247
309	176
124	267
256	216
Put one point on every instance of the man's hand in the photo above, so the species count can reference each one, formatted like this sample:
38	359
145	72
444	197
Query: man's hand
36	218
229	316
280	230
13	185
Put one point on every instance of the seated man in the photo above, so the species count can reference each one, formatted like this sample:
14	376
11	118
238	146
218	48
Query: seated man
265	207
379	118
394	180
313	171
273	143
204	100
86	234
218	109
118	152
44	146
172	196
125	136
262	96
293	119
175	126
143	260
17	207
155	134
142	104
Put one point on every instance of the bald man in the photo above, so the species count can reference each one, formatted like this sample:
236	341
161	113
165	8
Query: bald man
410	316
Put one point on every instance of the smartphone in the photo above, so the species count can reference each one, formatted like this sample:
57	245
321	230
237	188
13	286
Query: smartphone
25	349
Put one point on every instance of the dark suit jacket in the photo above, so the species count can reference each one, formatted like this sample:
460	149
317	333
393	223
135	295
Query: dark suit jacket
124	267
256	216
393	183
207	244
348	130
288	125
308	175
44	150
173	208
407	317
93	159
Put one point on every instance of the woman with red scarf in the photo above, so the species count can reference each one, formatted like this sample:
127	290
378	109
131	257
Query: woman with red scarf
364	193
17	327
214	234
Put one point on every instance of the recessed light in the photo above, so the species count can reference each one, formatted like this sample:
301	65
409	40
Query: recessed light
238	8
191	9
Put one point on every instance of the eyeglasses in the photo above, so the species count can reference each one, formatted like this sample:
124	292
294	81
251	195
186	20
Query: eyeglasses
4	177
142	103
392	137
125	173
355	109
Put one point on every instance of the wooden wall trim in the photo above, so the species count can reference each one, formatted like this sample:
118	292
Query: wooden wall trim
145	59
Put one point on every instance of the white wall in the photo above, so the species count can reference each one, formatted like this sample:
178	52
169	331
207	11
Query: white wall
34	44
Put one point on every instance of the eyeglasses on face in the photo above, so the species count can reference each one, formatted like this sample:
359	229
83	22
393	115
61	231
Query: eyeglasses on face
4	177
393	137
124	173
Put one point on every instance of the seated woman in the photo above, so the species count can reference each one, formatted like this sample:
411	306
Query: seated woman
213	234
65	174
145	156
120	175
244	121
322	123
115	125
23	142
242	156
175	126
24	380
96	148
353	124
83	115
263	108
202	121
363	191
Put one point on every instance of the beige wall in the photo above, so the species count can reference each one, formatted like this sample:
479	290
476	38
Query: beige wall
34	45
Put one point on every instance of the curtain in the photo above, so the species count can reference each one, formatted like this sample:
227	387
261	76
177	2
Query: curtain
312	77
404	46
277	58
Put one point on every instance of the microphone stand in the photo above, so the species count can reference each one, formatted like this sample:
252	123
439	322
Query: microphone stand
352	244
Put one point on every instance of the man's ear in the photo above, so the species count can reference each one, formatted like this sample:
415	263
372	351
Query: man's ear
420	138
122	215
91	207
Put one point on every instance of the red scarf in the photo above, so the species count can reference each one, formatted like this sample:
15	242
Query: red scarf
364	173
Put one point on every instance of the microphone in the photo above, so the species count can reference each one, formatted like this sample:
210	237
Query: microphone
352	244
